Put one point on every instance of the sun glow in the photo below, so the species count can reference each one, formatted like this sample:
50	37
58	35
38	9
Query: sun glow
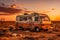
52	13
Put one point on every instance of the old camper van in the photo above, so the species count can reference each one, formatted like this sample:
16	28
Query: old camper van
33	21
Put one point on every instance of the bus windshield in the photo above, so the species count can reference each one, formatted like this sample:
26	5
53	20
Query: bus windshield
45	18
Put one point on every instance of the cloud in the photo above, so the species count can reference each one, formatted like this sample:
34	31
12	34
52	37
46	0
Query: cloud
9	10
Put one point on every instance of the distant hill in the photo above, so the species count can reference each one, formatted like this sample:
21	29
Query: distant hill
9	10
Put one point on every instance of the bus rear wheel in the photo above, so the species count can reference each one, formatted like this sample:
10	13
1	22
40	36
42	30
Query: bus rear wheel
36	29
21	28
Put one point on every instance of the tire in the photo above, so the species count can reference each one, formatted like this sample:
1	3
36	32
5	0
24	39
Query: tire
36	29
21	28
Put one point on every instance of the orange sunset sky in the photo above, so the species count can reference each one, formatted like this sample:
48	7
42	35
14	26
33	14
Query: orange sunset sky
49	7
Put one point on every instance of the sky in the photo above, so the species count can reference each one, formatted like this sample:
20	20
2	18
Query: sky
49	7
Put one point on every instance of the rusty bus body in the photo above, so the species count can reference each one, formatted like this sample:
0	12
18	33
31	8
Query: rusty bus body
33	21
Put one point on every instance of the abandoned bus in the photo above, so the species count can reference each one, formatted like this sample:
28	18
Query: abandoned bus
33	21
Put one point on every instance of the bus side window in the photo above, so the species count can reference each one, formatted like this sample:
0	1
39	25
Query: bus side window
36	18
25	18
20	18
29	18
17	18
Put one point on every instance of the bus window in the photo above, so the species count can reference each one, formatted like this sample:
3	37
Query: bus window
17	18
36	18
44	18
24	18
20	19
29	18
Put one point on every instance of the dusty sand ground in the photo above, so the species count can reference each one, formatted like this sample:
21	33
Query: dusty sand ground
53	35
